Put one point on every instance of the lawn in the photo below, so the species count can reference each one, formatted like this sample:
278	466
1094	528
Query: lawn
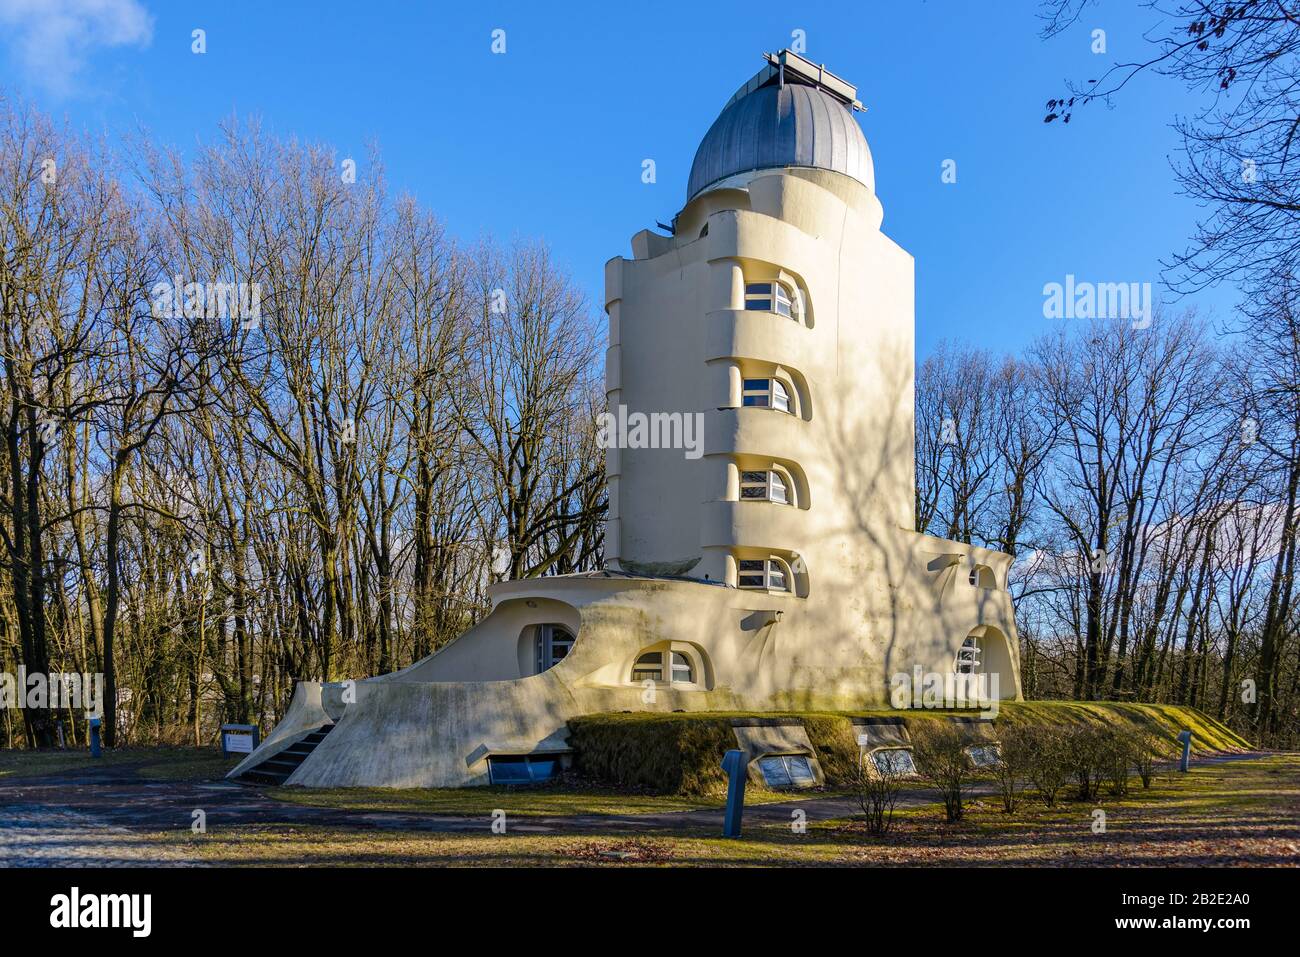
525	802
1238	813
161	764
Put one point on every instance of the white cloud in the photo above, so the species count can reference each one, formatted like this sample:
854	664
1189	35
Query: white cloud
52	39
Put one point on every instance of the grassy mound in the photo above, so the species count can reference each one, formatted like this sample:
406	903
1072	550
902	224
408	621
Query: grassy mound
681	753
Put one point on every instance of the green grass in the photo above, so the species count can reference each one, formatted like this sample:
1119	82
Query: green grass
162	764
558	800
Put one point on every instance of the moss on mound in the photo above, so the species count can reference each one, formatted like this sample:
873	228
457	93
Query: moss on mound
680	753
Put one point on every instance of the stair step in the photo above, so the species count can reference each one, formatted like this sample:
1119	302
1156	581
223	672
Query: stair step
279	762
280	766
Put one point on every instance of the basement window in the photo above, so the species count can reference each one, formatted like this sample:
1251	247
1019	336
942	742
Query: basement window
766	573
764	486
984	755
766	394
522	768
894	761
787	771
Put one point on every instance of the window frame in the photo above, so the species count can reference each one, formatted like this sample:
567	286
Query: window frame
545	643
766	396
908	768
771	480
968	657
668	664
771	566
534	763
770	295
787	762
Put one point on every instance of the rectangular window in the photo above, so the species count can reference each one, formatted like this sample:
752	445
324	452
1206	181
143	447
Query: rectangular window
787	770
758	392
649	666
752	574
758	296
894	761
753	485
522	769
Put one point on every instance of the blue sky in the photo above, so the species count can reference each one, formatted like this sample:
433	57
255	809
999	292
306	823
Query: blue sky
548	139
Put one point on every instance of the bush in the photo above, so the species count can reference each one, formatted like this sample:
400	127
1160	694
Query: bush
1118	754
1017	750
1148	753
1049	761
876	790
939	749
1087	749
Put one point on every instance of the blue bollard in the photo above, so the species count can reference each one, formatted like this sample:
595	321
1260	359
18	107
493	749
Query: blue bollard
94	737
1186	738
735	765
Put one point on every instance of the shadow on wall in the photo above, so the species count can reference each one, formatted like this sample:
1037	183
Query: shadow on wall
915	623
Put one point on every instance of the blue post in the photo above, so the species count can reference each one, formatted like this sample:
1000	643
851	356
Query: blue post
735	766
1186	738
94	737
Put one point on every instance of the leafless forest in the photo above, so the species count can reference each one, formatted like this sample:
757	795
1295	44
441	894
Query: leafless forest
208	503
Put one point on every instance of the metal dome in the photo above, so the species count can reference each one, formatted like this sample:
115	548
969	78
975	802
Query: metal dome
782	124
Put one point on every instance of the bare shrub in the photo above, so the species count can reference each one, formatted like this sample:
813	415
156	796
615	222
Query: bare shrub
1148	753
1016	754
940	752
1117	755
1087	750
1049	763
876	788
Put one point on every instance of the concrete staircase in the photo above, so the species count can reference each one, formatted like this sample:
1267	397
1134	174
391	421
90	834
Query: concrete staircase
277	768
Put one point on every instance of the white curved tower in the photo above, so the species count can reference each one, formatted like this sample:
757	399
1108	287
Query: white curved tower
760	545
781	312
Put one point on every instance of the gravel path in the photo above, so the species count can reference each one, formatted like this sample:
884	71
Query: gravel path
34	835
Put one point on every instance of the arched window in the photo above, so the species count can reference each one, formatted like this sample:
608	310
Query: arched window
769	486
968	657
649	666
771	297
769	574
981	576
766	394
552	644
